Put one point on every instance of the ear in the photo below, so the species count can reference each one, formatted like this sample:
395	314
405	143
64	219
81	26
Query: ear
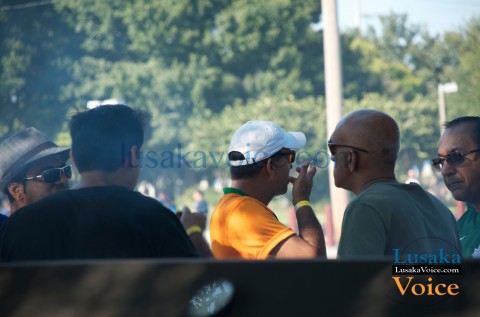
17	190
73	160
269	167
352	161
134	157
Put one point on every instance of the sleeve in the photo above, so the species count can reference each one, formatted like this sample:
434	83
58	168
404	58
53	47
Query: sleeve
254	230
173	240
364	231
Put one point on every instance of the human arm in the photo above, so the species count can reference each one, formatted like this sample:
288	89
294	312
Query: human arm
194	224
310	242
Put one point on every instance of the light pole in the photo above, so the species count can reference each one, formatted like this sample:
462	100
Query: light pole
333	99
443	89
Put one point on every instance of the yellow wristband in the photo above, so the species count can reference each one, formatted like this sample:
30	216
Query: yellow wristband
193	229
302	203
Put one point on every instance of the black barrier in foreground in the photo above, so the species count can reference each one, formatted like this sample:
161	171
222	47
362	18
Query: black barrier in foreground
247	288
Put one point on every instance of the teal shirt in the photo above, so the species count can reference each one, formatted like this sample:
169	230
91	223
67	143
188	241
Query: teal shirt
469	230
389	216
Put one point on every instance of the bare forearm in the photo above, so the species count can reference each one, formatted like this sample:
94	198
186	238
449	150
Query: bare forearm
310	229
201	244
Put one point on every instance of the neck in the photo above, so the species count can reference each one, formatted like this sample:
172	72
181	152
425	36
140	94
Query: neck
477	206
15	206
370	181
253	188
102	178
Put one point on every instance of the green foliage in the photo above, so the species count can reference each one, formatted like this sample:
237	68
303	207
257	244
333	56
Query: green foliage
35	51
204	67
465	45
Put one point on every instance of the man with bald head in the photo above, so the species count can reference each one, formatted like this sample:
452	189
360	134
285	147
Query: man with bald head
386	218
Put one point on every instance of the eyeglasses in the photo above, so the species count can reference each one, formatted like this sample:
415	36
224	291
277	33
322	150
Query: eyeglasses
290	154
331	145
453	159
53	175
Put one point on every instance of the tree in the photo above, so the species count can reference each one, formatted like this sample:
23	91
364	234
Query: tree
465	45
404	60
35	50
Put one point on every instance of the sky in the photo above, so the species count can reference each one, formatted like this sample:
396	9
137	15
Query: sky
437	15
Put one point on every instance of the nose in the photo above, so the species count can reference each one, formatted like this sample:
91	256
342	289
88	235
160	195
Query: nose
63	179
448	169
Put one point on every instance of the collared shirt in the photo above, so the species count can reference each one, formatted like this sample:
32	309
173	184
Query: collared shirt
243	227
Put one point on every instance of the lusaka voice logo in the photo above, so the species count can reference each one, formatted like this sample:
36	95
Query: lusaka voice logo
423	276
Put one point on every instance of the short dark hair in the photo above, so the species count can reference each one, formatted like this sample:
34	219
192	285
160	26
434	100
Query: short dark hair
103	136
474	120
247	170
244	171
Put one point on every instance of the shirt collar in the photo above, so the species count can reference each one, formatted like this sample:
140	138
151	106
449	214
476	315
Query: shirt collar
231	190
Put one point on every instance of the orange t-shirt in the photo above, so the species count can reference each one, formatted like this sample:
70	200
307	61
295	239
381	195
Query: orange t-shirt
243	227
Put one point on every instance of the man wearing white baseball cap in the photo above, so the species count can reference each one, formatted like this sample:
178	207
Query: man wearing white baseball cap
242	226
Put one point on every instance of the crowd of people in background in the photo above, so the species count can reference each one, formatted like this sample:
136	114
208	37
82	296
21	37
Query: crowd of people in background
107	214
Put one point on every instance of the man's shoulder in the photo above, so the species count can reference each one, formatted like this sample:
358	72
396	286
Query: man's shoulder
394	192
233	201
110	197
46	203
380	197
470	216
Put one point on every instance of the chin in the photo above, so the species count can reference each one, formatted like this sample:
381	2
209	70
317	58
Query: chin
337	184
459	195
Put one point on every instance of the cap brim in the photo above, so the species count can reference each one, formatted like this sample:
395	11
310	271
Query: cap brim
295	140
62	151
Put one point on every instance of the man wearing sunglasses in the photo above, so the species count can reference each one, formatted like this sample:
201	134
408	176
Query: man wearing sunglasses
242	226
386	218
459	162
103	217
32	167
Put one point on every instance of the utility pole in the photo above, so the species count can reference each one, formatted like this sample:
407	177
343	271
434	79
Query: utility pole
444	89
334	99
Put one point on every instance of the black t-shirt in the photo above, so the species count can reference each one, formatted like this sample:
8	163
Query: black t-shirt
94	223
2	218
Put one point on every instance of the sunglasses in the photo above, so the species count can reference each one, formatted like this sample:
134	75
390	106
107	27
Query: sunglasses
53	175
453	159
290	154
331	145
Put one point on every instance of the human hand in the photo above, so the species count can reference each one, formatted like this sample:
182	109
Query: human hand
303	183
190	219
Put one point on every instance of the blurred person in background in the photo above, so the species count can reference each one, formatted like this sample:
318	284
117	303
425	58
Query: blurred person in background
200	204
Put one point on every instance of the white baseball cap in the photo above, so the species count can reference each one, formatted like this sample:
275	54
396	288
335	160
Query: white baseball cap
258	140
